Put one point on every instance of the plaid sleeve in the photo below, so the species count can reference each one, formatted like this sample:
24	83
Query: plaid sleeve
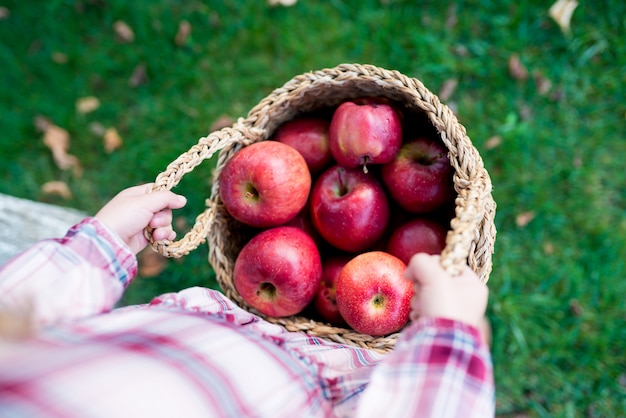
81	274
439	368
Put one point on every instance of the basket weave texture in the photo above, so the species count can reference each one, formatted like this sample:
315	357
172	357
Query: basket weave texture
470	239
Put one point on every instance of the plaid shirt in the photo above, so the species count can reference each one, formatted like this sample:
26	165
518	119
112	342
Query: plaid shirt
197	354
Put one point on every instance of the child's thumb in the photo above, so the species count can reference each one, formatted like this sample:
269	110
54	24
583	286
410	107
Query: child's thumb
163	199
424	268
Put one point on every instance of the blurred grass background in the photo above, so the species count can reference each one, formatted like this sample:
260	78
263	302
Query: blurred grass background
549	126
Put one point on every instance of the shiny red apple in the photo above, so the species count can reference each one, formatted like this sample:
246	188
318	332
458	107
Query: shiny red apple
419	235
309	136
373	296
349	208
419	178
278	271
325	301
367	132
265	184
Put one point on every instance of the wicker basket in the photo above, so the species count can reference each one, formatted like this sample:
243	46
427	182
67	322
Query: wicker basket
472	231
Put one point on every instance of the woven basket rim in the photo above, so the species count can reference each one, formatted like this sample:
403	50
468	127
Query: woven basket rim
472	231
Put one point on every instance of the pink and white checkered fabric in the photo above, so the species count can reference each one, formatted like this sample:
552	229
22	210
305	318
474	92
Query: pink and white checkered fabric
197	354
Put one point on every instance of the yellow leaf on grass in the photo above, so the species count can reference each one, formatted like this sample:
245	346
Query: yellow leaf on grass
448	88
151	263
493	142
123	32
281	2
57	140
97	129
524	219
184	30
59	57
112	140
87	104
517	70
58	188
139	75
561	12
544	85
223	121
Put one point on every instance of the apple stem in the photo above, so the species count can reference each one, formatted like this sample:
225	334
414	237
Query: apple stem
364	162
343	190
251	192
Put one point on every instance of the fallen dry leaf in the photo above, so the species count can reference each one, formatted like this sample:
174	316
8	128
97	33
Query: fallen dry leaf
139	76
4	13
58	188
575	307
87	104
452	17
281	2
223	121
517	70
123	32
542	82
59	57
151	263
493	142
97	129
525	111
548	248
57	140
41	123
561	12
184	30
112	140
524	219
577	162
181	225
448	88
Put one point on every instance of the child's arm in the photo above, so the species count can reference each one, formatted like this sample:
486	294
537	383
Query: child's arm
86	271
440	366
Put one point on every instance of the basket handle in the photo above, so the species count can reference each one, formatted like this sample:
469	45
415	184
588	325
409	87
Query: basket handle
237	135
465	230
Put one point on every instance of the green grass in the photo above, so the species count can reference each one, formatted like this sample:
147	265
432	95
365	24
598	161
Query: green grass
558	283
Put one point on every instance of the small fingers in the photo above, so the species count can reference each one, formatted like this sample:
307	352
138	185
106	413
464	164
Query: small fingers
161	219
163	199
423	268
164	233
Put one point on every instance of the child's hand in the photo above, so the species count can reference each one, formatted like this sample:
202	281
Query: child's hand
133	209
438	294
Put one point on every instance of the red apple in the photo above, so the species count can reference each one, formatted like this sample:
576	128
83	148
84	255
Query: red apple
278	271
349	208
265	184
303	221
309	136
368	132
325	301
419	179
419	235
373	296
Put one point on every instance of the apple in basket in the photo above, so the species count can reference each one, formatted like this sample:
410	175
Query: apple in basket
373	296
349	208
325	301
309	136
278	271
265	184
419	235
419	178
366	132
